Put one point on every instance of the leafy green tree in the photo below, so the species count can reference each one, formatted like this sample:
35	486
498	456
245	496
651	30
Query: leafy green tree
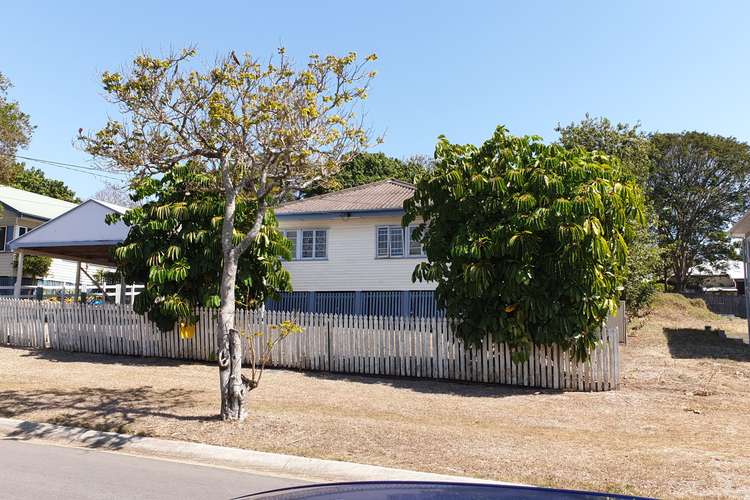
698	186
35	181
265	129
643	268
15	132
626	142
526	241
634	149
34	266
369	167
174	248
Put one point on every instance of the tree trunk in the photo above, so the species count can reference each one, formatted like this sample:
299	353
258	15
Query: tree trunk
228	342
230	347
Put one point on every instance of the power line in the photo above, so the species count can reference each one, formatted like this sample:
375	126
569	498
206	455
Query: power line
83	169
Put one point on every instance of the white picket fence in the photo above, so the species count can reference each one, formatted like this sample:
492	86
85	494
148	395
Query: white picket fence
371	345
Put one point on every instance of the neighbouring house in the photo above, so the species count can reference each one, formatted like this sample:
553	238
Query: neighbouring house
742	230
728	278
22	212
350	250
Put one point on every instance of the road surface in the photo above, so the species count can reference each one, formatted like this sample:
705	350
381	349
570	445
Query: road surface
34	470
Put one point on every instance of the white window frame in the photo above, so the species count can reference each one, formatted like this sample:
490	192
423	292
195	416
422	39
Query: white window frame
405	241
18	231
298	242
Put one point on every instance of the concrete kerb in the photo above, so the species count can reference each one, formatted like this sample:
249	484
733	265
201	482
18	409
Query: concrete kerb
276	464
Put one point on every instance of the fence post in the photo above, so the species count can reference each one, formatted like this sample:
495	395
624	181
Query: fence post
328	340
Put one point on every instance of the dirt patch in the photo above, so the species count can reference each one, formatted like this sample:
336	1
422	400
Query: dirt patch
679	426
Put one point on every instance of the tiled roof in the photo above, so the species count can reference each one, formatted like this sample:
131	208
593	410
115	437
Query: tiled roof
32	204
388	194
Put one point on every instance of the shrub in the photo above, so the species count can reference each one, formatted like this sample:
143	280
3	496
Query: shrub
526	241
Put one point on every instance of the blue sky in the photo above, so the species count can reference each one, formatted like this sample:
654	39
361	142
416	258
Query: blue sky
456	68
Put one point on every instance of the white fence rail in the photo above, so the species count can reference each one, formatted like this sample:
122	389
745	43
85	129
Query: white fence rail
371	345
115	293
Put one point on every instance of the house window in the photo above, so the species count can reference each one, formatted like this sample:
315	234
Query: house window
308	244
3	233
393	242
22	230
382	242
396	241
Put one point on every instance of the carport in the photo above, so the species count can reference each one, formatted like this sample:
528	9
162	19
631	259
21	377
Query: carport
80	235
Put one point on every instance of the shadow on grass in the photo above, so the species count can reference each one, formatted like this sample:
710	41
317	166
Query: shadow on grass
426	386
692	343
100	409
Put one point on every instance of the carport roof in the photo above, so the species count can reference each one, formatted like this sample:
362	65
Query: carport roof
80	234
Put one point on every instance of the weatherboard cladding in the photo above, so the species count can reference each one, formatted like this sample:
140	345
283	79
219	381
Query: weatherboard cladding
377	196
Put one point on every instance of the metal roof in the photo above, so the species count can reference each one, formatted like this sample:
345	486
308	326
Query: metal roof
32	204
735	269
79	234
111	206
388	194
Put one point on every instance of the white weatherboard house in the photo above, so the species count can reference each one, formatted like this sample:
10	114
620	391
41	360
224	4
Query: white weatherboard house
352	240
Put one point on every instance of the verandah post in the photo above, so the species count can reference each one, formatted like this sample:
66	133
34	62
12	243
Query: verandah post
19	276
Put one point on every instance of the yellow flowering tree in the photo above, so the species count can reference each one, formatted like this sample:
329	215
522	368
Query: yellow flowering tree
264	129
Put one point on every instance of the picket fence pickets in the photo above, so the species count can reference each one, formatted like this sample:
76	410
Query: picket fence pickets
419	347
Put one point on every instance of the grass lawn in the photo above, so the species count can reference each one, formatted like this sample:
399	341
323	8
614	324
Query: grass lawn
679	427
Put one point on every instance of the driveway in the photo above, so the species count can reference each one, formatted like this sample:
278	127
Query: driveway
34	470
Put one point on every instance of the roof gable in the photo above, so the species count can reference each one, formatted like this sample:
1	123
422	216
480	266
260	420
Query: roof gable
32	204
385	195
84	225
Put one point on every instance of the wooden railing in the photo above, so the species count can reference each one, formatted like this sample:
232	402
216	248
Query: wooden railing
370	345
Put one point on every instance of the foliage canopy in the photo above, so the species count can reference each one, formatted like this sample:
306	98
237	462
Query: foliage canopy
634	150
369	167
699	186
34	266
174	248
526	241
15	131
35	181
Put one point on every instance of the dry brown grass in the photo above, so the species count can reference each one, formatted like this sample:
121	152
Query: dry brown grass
679	427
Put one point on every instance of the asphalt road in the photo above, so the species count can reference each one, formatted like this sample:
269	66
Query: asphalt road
39	471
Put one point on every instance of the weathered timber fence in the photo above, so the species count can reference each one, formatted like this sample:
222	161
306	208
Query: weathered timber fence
723	304
373	345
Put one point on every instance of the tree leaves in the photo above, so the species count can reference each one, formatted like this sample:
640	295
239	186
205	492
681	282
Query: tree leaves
525	240
173	246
